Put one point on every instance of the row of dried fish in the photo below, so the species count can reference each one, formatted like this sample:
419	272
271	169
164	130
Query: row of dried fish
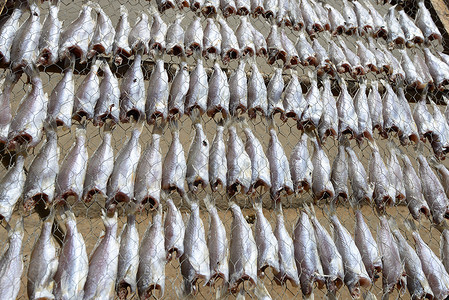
85	37
312	256
139	177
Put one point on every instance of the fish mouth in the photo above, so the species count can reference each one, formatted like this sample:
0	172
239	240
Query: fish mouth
214	185
282	278
76	50
91	193
209	11
165	6
234	288
148	293
70	193
229	11
44	58
78	116
381	33
294	60
193	47
31	202
252	112
152	201
176	50
215	277
257	11
289	114
22	138
242	11
231	54
276	55
122	290
325	194
134	113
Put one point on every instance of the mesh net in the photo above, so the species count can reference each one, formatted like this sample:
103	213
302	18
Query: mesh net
158	153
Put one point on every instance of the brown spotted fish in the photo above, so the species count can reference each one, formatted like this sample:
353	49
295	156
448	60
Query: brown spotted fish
438	70
197	173
375	107
336	20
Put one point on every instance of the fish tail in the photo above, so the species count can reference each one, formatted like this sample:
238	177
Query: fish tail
109	221
258	203
123	10
208	202
410	225
195	116
159	128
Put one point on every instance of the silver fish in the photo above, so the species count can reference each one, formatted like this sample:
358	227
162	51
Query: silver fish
313	105
193	38
266	243
364	19
60	103
328	125
424	21
76	37
175	38
197	173
337	22
132	92
274	92
195	260
217	160
441	125
322	58
348	120
338	58
11	187
158	31
257	93
395	33
438	70
321	13
178	91
306	53
121	44
434	270
103	38
301	166
218	95
393	270
275	49
120	187
311	21
49	39
243	251
355	272
287	265
139	35
107	106
73	263
423	69
260	167
238	164
350	18
218	245
381	61
443	174
375	107
412	76
87	94
339	173
322	187
367	247
295	15
424	119
390	109
367	58
408	125
433	191
230	45
352	58
379	177
293	102
25	46
147	187
417	284
152	259
7	33
444	250
157	97
128	258
7	84
103	263
238	89
363	113
330	258
174	230
43	263
182	3
245	37
380	26
174	168
413	190
357	176
306	256
27	124
40	180
279	167
11	263
228	7
260	43
395	173
72	172
282	13
396	72
99	168
211	40
198	89
412	33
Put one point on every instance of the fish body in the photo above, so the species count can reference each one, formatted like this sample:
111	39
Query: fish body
322	187
444	248
412	76
178	91
336	20
211	40
339	173
175	38
301	166
157	97
379	177
245	37
40	180
395	33
217	160
367	58
274	92
60	103
375	107
7	84
27	124
279	167
77	36
260	43
158	31
275	49
132	92
238	164
260	167
243	251
174	231
438	70
128	258
346	113
107	106
147	187
11	263
139	35
87	95
103	38
11	187
198	90
73	263
219	95
7	33
103	263
363	114
257	93
358	178
364	19
350	18
193	38
121	44
174	167
313	105
197	173
49	39
412	33
99	168
120	187
152	259
238	89
395	174
328	125
305	50
293	102
424	21
72	172
230	44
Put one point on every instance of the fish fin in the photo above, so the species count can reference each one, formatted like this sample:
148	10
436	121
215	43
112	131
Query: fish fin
393	225
173	125
410	225
258	203
109	220
123	10
195	116
158	128
434	162
373	146
260	291
208	202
